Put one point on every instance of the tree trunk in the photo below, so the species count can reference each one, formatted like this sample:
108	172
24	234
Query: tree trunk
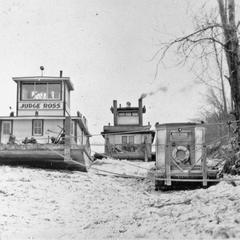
227	14
220	69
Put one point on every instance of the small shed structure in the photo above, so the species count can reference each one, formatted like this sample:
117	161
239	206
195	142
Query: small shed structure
181	154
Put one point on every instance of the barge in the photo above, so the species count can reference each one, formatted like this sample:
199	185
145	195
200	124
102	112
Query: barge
42	133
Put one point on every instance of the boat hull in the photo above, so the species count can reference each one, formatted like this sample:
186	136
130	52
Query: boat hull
45	157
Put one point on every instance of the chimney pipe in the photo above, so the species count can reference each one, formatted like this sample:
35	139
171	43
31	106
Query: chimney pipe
115	112
140	111
61	72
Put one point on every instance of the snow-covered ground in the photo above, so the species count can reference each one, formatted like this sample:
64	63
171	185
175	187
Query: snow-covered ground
44	204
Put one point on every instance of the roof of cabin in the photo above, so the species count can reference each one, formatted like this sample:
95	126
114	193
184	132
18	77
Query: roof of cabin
44	78
125	128
129	109
179	124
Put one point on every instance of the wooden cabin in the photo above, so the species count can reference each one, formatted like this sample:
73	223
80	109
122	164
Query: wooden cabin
42	115
128	138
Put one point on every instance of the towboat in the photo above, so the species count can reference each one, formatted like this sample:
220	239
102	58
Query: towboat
128	138
41	132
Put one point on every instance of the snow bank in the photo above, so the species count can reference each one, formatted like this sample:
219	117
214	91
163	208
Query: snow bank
113	166
41	204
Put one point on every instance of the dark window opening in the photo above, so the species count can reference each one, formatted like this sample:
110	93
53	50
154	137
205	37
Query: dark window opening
37	127
124	139
6	128
127	139
131	139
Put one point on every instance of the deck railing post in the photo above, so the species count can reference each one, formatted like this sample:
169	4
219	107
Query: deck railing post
168	181
67	143
204	166
145	149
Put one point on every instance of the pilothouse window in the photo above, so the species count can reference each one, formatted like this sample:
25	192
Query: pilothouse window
54	90
41	91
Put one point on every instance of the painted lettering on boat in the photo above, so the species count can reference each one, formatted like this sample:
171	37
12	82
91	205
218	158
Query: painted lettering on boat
51	105
40	106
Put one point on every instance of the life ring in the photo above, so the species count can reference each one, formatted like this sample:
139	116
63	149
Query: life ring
181	159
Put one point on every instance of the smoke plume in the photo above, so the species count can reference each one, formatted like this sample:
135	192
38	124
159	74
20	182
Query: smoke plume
160	89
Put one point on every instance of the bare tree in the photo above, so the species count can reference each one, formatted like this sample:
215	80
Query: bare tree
215	33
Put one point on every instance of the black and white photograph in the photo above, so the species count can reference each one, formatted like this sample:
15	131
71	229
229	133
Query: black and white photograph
119	119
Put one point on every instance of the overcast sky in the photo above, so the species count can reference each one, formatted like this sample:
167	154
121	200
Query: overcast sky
106	47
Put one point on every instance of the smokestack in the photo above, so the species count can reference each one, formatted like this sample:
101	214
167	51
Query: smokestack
61	72
140	111
115	112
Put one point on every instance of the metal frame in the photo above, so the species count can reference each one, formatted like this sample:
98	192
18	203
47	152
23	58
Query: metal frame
169	161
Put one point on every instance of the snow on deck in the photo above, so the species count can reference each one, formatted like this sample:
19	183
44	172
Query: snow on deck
42	204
